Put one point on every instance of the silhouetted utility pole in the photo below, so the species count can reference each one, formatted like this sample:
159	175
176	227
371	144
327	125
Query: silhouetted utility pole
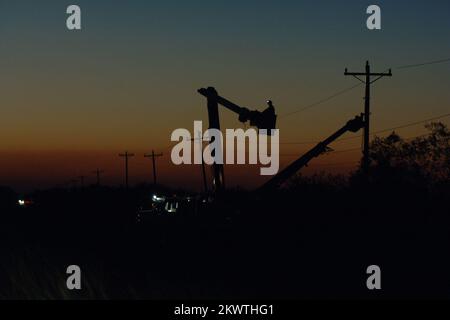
74	183
153	156
126	155
98	172
81	180
368	81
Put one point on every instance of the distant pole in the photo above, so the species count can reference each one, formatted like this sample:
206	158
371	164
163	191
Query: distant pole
368	81
82	180
98	172
74	183
153	156
126	155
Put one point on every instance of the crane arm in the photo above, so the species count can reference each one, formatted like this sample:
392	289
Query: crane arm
262	120
352	126
231	106
209	93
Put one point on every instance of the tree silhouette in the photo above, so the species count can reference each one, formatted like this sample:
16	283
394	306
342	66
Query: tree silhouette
423	160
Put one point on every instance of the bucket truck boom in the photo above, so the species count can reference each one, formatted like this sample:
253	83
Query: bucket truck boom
261	120
353	126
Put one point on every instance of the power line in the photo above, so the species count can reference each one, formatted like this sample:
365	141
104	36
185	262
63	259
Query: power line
357	162
330	152
297	143
358	149
423	64
335	164
414	123
346	90
408	125
347	150
370	78
339	93
380	131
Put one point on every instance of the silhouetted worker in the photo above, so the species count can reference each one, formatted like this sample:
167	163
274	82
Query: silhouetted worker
268	118
270	103
270	111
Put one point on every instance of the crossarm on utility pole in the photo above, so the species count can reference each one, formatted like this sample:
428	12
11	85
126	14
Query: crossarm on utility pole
368	81
389	74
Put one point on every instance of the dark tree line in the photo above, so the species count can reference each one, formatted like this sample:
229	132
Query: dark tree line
422	161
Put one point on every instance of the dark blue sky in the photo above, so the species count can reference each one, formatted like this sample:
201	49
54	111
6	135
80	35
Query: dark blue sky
130	76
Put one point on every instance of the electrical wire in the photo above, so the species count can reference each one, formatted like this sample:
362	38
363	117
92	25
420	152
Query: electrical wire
339	93
411	124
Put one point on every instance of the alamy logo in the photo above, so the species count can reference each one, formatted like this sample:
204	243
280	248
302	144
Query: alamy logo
235	146
374	20
74	280
73	21
374	280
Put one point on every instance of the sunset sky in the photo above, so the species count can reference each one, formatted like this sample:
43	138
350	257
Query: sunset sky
71	101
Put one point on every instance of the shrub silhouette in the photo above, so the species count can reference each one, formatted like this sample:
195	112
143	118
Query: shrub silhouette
421	161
